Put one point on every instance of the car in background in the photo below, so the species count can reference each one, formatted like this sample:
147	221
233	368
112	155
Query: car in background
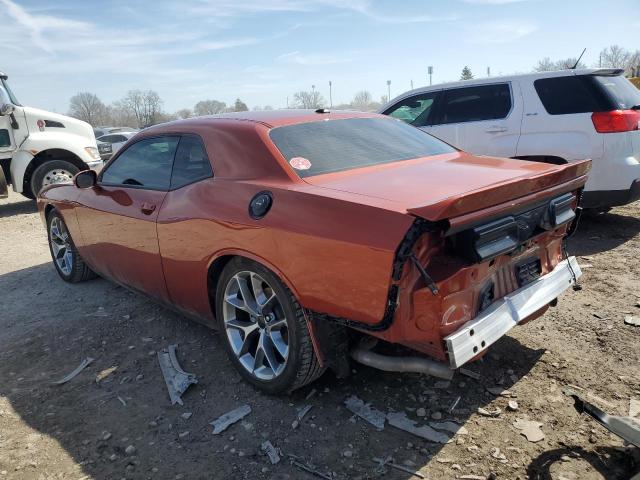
553	117
307	236
102	131
112	142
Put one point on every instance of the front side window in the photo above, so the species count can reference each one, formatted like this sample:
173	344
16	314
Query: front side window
319	147
475	104
145	164
416	110
12	97
191	163
571	94
5	139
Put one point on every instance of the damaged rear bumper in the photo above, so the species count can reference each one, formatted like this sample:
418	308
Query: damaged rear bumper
494	322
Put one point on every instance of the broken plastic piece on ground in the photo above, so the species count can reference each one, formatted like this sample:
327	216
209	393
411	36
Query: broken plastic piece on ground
530	429
382	462
307	467
632	320
84	364
105	373
177	380
400	421
626	428
449	426
469	373
223	422
365	411
271	451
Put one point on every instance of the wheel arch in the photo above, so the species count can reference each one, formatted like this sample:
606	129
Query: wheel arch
46	156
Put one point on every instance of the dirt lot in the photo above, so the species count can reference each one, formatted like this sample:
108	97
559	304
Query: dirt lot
82	429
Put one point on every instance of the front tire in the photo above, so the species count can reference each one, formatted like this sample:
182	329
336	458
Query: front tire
66	259
264	329
50	173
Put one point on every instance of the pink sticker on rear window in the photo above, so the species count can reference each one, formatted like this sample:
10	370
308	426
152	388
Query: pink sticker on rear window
300	163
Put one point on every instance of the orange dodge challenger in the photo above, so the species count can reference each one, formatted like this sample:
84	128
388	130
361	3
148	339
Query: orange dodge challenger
309	238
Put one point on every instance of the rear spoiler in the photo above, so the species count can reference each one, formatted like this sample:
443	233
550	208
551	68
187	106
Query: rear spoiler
608	72
509	193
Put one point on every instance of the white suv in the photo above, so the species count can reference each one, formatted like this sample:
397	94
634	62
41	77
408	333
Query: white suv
554	117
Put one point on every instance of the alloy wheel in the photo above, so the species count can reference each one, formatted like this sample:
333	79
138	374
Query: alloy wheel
256	325
61	245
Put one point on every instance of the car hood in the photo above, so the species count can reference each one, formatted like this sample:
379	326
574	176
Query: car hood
453	184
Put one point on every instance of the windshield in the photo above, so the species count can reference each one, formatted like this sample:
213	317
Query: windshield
621	90
329	146
12	97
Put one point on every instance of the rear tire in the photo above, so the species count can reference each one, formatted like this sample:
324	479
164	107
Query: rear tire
65	256
52	172
266	334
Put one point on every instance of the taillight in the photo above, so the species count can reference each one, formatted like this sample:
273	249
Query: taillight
616	121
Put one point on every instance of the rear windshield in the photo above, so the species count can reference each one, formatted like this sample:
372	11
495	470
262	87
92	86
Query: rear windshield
335	145
621	90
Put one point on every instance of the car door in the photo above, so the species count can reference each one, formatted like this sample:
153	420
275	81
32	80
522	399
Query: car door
117	142
480	119
118	216
416	110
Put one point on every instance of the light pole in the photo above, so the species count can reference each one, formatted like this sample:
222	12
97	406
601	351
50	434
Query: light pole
430	72
388	90
411	84
330	96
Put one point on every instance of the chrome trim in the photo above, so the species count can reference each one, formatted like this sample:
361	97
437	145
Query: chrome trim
493	323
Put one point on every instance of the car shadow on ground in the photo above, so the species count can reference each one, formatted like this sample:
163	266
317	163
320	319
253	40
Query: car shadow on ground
602	232
582	463
18	208
96	421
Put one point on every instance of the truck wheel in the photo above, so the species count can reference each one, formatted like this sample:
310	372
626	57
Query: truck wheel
66	259
263	328
51	172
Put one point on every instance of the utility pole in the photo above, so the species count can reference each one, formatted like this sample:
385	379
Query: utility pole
488	71
330	96
388	90
411	84
430	72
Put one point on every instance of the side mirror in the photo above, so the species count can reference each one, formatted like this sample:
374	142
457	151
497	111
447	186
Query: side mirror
85	179
6	109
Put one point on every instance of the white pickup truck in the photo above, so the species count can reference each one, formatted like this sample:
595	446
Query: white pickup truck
38	148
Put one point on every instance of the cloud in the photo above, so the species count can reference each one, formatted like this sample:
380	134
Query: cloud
312	59
499	32
493	2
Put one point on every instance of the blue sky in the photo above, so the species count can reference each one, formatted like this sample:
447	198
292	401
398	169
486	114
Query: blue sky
265	50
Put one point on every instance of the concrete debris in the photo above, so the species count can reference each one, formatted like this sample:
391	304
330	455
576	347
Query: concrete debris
105	373
498	391
365	411
634	407
470	373
300	463
452	427
177	380
472	477
530	429
442	384
436	415
223	422
498	455
400	421
512	405
84	364
130	450
489	413
388	461
631	320
271	451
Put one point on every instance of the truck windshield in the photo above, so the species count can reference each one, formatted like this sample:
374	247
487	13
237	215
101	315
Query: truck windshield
621	90
12	97
315	148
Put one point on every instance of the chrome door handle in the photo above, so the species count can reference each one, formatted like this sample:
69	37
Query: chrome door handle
496	129
147	208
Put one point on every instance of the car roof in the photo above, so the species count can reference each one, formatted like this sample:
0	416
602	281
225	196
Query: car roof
503	78
269	118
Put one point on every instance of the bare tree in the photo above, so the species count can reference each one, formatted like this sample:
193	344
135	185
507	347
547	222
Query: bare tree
184	113
209	107
304	99
615	57
466	73
548	65
88	107
361	100
146	106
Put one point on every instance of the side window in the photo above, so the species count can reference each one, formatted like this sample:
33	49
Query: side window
416	110
473	104
118	138
146	163
573	94
5	139
191	162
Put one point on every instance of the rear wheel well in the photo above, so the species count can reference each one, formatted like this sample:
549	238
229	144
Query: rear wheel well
213	276
47	210
544	159
46	156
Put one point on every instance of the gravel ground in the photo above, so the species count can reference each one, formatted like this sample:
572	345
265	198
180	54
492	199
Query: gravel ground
125	427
